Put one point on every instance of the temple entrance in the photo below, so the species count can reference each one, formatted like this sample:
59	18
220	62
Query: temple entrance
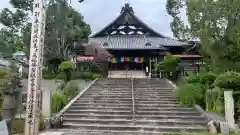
127	70
127	66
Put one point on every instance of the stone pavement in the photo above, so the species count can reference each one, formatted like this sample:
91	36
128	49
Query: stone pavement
52	133
127	74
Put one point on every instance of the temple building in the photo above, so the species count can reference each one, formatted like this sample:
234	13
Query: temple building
134	45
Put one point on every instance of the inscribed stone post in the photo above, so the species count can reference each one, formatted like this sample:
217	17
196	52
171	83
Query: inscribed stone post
229	108
35	67
46	103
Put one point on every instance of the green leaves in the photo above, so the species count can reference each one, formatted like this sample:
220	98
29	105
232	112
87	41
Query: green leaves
170	63
190	94
228	80
179	29
64	26
215	22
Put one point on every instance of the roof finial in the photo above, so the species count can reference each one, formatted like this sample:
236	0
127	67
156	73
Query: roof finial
127	7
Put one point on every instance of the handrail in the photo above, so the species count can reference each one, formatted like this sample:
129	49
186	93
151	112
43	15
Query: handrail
133	98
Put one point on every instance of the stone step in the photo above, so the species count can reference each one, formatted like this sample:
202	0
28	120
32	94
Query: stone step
156	102
155	99
100	111
136	127
137	104
108	96
126	104
162	122
84	100
102	104
165	112
150	85
153	88
164	109
130	108
109	91
82	131
101	107
154	96
154	91
130	117
139	112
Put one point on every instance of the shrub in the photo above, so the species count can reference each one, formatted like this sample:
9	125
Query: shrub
95	76
190	94
86	75
5	76
207	78
228	80
204	78
66	65
193	78
41	124
171	62
213	99
59	100
71	90
18	126
96	68
48	74
65	69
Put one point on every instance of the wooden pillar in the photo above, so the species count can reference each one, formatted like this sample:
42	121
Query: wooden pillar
150	67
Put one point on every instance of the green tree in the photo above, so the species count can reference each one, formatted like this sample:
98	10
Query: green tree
217	24
64	27
180	30
13	21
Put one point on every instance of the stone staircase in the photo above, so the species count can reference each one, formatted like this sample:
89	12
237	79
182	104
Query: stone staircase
157	107
110	107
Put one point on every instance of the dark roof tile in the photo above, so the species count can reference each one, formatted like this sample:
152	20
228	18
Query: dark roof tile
135	42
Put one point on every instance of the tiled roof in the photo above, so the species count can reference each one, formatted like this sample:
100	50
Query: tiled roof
136	42
127	12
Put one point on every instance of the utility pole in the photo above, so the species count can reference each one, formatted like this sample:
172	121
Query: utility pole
34	101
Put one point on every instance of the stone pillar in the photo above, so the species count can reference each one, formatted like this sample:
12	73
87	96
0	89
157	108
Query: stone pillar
229	108
46	103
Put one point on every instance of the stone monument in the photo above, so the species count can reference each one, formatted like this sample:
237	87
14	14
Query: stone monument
12	97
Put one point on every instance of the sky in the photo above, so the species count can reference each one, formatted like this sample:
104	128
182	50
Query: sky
99	13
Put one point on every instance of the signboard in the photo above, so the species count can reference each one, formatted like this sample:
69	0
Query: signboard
85	58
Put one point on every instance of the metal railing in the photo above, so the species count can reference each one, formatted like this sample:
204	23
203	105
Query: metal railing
133	98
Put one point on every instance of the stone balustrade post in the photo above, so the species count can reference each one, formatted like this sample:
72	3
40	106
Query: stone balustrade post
229	108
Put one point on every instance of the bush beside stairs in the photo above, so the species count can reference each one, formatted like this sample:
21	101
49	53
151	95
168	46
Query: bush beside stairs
107	107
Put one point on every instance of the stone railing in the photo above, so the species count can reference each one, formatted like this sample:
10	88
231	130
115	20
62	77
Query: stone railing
57	118
133	97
